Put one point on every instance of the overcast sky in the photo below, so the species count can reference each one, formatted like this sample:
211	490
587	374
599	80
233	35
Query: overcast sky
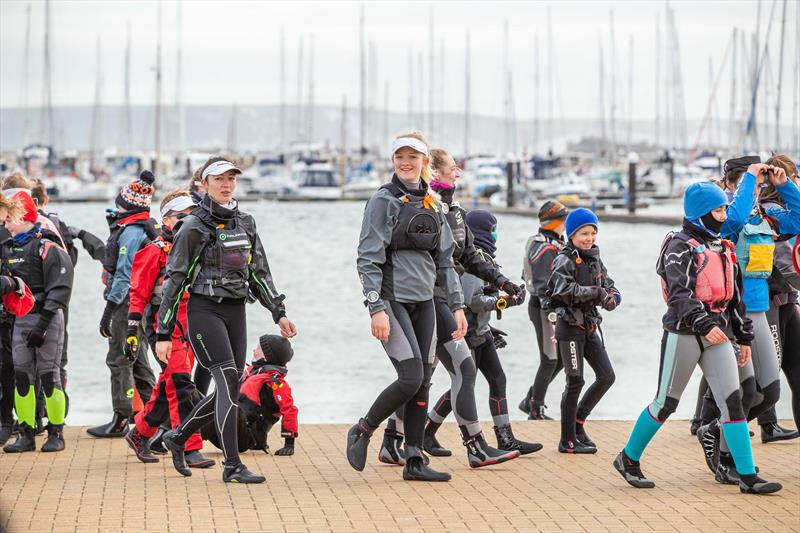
231	50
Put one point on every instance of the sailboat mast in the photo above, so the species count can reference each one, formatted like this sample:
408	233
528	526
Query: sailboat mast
535	147
282	109
385	115
94	140
796	114
780	82
630	93
467	95
550	81
127	119
299	90
363	84
26	76
431	74
181	119
440	107
732	112
613	105
601	95
658	82
158	96
506	90
47	125
310	110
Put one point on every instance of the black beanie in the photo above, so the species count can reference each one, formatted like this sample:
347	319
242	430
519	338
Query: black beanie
277	350
740	162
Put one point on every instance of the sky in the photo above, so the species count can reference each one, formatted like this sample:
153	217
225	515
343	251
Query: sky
231	52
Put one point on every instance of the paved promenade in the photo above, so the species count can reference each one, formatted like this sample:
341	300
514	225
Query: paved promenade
98	485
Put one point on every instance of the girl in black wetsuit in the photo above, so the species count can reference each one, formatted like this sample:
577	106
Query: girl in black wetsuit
218	257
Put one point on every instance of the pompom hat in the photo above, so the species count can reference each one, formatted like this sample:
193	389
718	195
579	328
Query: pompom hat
136	195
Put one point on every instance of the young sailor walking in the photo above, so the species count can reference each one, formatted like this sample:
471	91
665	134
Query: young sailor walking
405	246
703	289
218	257
578	285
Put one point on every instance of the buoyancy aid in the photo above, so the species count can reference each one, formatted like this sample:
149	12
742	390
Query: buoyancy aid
418	226
755	249
116	225
225	261
715	280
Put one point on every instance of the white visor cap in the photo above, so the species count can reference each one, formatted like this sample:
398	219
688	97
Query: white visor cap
411	142
177	204
220	167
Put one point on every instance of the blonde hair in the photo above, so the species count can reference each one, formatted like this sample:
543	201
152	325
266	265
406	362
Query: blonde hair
17	180
438	158
425	174
13	207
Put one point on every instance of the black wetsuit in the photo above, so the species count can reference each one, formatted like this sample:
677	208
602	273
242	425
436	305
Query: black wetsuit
218	257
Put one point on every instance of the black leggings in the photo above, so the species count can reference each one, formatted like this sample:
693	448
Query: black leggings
549	362
589	347
488	363
6	372
786	319
218	335
410	349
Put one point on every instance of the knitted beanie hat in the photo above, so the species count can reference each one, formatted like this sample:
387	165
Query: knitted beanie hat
277	350
136	195
579	218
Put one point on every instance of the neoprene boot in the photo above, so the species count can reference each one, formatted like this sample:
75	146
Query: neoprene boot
772	432
156	444
392	448
175	445
536	411
631	472
237	473
5	433
118	427
576	447
695	425
507	442
140	446
525	404
580	434
708	436
415	468
753	484
25	441
40	427
726	472
479	453
431	444
55	438
196	459
358	444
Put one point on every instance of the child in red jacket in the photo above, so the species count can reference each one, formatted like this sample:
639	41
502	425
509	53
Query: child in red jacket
174	395
265	398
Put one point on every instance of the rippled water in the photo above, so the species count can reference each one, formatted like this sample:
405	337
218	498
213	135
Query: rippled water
338	367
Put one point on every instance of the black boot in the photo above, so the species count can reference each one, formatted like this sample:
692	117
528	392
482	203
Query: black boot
479	453
40	427
632	472
507	442
140	446
5	432
196	459
55	438
118	427
752	484
726	472
358	444
580	435
25	441
156	442
576	447
238	474
695	425
430	443
536	411
392	448
772	432
525	404
415	468
708	436
175	445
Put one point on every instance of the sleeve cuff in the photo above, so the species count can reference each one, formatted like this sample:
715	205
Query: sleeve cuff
163	337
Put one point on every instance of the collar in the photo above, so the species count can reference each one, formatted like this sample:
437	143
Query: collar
551	235
21	239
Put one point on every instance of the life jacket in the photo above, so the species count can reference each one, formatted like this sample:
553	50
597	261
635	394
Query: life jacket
158	288
535	246
225	261
796	256
418	226
715	281
755	249
458	226
26	261
116	227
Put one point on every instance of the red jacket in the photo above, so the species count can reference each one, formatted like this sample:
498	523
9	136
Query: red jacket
266	387
147	276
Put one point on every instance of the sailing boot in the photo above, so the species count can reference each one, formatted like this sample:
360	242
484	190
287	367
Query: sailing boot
416	469
358	443
525	404
479	453
537	411
25	441
726	472
55	438
5	432
392	448
118	427
575	447
580	434
752	484
140	446
632	472
507	442
695	425
708	436
237	473
196	459
156	443
429	442
175	444
772	432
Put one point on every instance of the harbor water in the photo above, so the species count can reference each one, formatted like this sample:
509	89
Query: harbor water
338	367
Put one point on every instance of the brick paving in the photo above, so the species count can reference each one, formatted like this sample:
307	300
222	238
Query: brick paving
98	485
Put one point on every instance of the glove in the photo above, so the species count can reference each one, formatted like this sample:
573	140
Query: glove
288	448
8	284
105	320
131	348
512	289
611	301
600	295
499	341
35	337
504	302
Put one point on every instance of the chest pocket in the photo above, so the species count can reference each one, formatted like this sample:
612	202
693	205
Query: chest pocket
228	257
417	228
